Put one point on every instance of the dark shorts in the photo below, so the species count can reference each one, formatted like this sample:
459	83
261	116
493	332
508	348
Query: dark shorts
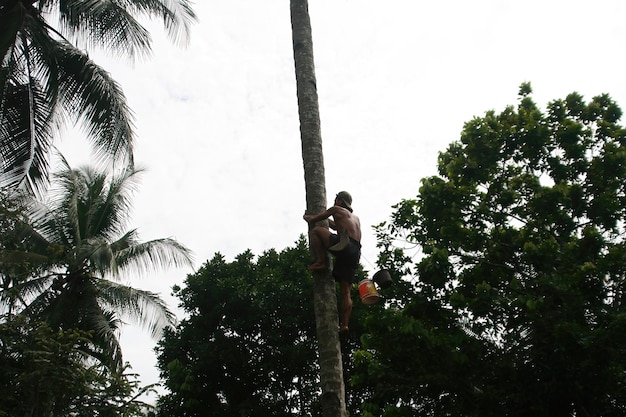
346	261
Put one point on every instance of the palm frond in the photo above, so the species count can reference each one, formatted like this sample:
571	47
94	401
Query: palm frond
143	307
66	201
112	25
96	205
34	293
25	136
110	211
11	20
178	16
8	257
105	325
89	92
42	72
28	106
105	24
73	303
153	255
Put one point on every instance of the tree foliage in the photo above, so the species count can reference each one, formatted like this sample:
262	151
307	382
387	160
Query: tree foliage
46	373
247	345
519	306
83	252
16	263
46	79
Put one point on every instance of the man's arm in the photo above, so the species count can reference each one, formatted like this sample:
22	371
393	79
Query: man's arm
313	218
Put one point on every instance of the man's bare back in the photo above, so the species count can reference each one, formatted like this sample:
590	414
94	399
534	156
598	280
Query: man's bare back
344	220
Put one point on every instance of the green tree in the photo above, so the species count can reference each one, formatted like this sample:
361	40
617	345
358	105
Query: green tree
46	79
247	344
82	233
45	373
325	300
16	262
519	308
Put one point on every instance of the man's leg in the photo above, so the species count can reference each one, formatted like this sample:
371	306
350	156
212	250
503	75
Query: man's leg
320	241
346	305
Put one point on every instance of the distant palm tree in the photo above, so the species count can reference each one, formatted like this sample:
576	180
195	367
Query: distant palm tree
45	79
83	235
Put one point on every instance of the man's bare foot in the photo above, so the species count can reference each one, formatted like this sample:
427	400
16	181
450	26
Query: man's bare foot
317	266
343	329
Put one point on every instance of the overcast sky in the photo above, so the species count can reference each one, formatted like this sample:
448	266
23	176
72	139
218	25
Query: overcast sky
217	121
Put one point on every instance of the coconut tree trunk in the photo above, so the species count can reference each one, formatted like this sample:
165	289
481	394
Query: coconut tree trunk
325	299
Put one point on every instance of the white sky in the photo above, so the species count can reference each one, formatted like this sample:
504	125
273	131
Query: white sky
217	121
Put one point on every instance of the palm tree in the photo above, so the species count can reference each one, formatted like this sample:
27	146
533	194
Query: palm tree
325	300
45	79
83	235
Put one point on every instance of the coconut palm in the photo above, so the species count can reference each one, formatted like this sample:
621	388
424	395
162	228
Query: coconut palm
45	79
325	301
82	232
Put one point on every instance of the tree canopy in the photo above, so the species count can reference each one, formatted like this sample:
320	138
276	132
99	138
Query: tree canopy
47	373
47	78
247	345
83	250
519	294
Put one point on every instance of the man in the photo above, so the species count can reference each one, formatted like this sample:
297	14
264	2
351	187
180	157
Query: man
345	245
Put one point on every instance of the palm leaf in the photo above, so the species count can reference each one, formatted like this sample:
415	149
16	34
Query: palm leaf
105	326
25	136
153	255
89	92
34	293
112	25
143	307
109	213
27	106
11	19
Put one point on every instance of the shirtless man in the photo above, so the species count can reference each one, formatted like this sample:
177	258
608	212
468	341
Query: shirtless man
345	245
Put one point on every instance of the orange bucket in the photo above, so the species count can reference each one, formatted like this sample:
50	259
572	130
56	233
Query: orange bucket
367	291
